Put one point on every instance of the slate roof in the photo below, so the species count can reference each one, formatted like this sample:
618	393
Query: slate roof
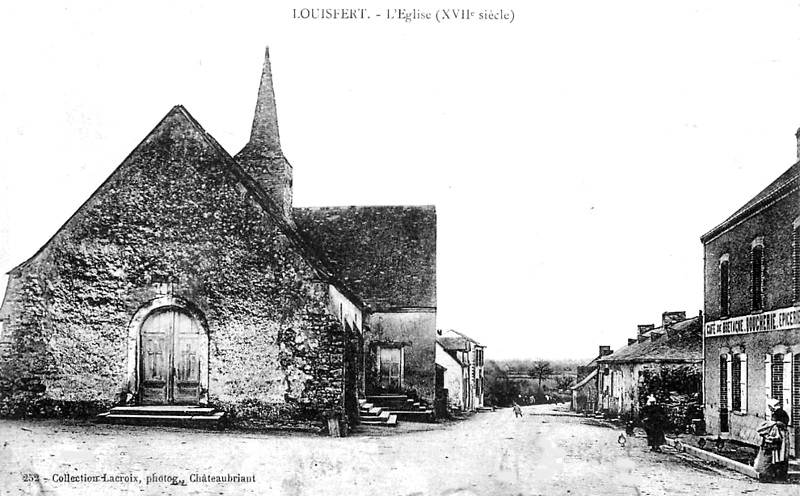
382	257
783	184
585	380
450	353
452	344
678	343
385	255
464	336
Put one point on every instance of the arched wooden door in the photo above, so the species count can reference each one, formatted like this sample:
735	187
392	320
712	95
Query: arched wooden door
172	346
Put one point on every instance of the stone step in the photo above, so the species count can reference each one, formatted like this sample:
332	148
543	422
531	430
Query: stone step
385	419
413	415
178	410
386	399
204	420
398	403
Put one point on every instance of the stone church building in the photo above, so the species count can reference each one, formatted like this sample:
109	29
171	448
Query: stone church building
188	278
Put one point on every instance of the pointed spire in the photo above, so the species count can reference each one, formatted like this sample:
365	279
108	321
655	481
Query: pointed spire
262	157
264	134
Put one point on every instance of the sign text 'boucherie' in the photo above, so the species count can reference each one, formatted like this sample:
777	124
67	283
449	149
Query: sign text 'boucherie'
776	320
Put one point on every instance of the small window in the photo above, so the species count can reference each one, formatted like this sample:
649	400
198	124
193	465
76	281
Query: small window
724	288
796	260
758	277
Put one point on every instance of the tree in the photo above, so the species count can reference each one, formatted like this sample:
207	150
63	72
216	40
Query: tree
540	370
499	389
564	382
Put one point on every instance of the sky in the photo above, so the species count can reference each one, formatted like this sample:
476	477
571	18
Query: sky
575	155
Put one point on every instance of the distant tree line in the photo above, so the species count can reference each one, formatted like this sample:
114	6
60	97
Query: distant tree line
528	381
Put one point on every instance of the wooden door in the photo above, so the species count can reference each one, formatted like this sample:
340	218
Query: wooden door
391	369
186	375
170	359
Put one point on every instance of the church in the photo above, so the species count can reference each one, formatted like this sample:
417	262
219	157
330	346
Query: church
189	280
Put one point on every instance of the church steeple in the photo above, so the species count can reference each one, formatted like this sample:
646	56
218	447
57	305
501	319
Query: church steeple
265	122
262	157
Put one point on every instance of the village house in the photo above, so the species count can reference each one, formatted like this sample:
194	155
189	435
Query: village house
462	360
188	279
672	350
752	308
455	388
585	396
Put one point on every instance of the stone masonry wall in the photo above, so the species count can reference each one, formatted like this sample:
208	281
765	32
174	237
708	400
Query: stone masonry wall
418	331
171	217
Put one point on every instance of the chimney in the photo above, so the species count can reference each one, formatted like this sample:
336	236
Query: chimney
669	318
643	328
632	340
605	350
262	157
797	135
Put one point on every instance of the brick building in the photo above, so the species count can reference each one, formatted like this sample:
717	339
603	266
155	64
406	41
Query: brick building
752	327
188	278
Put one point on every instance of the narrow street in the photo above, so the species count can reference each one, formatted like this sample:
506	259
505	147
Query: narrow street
546	452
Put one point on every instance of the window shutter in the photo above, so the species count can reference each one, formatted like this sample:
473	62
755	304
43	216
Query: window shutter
795	414
729	377
743	365
777	377
736	383
787	384
723	382
767	382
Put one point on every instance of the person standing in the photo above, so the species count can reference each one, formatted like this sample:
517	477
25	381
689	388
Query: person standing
654	420
772	461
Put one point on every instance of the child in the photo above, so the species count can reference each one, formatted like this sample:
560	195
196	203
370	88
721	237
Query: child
517	410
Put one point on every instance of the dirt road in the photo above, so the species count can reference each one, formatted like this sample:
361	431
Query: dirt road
546	452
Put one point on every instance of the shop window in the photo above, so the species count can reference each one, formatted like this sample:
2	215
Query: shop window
723	393
779	369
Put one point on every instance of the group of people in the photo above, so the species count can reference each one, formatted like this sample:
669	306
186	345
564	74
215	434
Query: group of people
772	461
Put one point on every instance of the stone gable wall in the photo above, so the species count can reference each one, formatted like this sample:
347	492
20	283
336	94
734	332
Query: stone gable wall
171	220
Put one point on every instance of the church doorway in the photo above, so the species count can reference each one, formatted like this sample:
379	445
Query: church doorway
173	350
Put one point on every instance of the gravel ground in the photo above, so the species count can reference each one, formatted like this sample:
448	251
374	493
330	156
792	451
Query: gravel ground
546	452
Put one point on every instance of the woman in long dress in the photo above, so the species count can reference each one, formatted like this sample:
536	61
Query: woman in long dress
772	461
654	418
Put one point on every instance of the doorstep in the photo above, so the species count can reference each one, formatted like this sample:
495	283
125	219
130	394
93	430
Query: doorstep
713	457
742	468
